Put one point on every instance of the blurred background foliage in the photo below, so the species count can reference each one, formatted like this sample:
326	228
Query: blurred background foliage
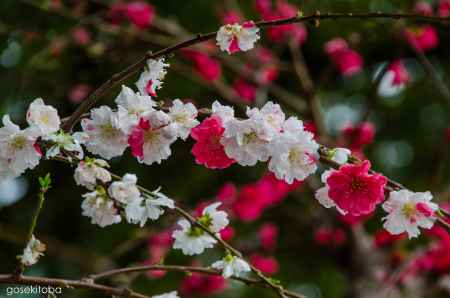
39	58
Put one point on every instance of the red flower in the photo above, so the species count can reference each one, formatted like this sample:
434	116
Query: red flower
384	238
330	237
422	38
424	8
231	17
140	14
227	233
208	150
81	36
444	8
267	265
354	190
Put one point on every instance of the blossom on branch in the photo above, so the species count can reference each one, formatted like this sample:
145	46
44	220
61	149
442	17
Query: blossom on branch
408	211
183	118
104	134
18	148
32	252
233	38
151	79
231	266
173	294
43	117
352	189
100	208
90	171
191	240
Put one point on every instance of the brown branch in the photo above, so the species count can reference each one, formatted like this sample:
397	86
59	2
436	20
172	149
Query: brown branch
67	283
118	78
182	269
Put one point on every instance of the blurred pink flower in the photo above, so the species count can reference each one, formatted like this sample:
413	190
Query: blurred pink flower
208	68
325	236
423	38
360	135
424	8
199	284
81	36
79	92
231	17
268	236
384	238
347	60
227	233
444	8
140	14
267	265
401	74
245	90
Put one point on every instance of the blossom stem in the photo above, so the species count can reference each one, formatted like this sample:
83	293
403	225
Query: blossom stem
120	77
41	198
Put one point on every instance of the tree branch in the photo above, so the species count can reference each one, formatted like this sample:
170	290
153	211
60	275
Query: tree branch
67	283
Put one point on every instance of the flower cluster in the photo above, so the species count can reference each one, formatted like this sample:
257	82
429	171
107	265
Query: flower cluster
20	149
347	60
104	206
192	239
266	134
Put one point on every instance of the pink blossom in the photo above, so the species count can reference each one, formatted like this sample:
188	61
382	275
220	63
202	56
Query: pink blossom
250	203
79	92
231	17
295	32
227	194
136	138
444	8
117	13
360	135
347	60
81	36
354	190
245	90
401	74
140	14
267	265
158	246
423	38
330	237
384	238
423	8
208	150
227	233
208	68
200	284
353	220
268	236
263	6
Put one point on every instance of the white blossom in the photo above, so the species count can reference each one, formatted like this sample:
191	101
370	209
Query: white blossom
18	148
231	266
294	152
141	209
191	240
270	120
183	118
89	171
242	143
235	37
125	190
61	140
151	79
167	295
43	117
133	102
215	220
225	113
408	211
340	155
150	140
32	252
104	134
100	208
